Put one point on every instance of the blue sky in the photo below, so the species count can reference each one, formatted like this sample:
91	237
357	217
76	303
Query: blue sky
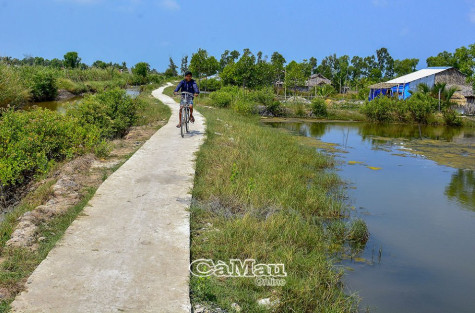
154	30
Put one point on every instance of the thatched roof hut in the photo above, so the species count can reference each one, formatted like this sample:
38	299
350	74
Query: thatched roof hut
318	80
464	94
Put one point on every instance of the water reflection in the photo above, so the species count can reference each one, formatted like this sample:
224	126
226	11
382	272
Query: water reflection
462	188
410	131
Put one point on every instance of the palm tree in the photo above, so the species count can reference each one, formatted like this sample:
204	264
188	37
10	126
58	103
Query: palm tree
437	89
423	88
448	94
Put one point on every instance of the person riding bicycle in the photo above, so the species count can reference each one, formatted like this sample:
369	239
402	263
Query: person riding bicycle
187	85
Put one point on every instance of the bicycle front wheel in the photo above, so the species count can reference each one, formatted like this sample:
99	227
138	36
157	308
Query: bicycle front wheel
187	119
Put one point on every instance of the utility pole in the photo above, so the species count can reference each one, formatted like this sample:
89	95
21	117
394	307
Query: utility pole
285	84
440	90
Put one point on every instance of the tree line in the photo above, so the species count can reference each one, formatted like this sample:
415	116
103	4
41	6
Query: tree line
251	70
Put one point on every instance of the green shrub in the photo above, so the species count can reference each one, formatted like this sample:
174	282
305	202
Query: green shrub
244	106
379	109
210	84
363	93
420	108
326	91
113	112
401	112
263	96
155	78
451	117
299	109
275	108
31	141
221	99
319	107
43	86
233	90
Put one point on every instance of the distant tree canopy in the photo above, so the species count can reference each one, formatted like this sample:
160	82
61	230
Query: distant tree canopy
406	66
202	64
295	75
72	60
184	65
141	69
463	59
171	71
99	64
249	70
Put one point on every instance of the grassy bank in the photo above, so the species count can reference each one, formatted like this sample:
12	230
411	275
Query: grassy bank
16	264
23	84
261	194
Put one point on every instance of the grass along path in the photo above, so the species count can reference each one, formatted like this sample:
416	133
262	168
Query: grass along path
261	194
16	264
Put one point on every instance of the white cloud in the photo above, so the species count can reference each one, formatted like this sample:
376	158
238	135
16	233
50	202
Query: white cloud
170	4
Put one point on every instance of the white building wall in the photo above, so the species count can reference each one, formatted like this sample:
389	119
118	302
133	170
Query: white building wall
428	80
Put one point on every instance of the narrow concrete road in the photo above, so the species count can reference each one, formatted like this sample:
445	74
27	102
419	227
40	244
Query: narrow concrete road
129	251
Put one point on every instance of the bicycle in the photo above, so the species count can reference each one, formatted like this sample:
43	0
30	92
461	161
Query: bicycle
186	98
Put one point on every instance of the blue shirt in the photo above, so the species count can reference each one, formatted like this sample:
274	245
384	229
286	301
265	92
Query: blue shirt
190	86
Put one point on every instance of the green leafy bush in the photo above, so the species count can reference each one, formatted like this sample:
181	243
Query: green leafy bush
299	109
31	141
263	96
43	86
421	106
380	109
113	112
234	90
319	107
275	108
363	93
326	91
452	118
221	99
243	106
210	84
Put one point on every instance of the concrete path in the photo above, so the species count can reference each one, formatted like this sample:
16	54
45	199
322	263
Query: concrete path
129	251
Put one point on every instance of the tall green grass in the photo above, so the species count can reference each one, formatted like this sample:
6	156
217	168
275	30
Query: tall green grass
13	90
21	84
259	193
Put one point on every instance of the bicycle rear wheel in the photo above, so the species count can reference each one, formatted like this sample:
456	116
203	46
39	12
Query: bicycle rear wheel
183	122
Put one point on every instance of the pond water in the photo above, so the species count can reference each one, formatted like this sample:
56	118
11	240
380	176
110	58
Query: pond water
415	188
